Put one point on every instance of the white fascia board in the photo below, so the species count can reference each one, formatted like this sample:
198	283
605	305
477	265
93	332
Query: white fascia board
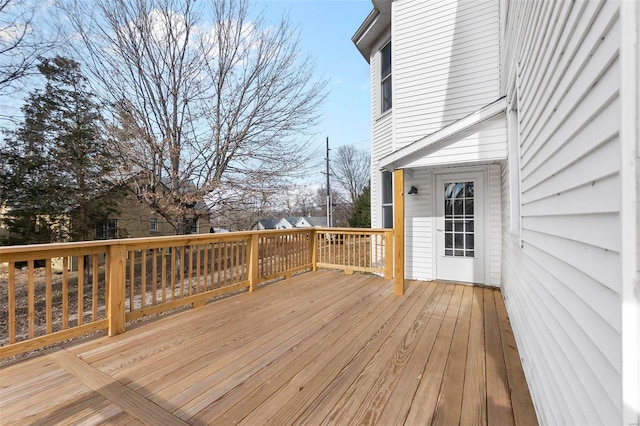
372	28
471	120
363	32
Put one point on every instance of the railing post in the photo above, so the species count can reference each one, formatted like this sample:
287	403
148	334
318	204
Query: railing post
314	249
388	255
398	232
253	262
115	302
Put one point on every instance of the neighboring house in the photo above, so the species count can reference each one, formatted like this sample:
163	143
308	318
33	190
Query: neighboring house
287	222
131	219
312	222
134	219
263	224
511	131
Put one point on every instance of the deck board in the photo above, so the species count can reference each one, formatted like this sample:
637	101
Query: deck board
369	392
499	410
320	348
426	397
354	358
326	333
449	406
474	397
262	385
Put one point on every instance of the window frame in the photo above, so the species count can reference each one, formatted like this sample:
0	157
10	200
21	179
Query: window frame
107	230
385	79
191	226
153	224
386	199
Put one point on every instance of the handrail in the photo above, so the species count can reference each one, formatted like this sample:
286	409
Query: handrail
68	289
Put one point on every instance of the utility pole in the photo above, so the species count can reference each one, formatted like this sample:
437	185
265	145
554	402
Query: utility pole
328	188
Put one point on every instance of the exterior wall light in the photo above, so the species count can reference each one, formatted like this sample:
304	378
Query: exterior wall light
413	190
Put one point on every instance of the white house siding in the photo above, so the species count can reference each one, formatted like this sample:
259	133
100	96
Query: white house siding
445	63
419	225
494	235
561	276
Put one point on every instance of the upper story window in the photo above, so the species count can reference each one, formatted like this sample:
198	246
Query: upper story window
385	77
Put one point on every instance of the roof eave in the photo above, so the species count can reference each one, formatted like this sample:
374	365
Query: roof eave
373	27
365	27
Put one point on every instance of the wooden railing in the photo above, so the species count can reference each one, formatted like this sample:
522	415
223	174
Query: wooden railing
355	250
54	292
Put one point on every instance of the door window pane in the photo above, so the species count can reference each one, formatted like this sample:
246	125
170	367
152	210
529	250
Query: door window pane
459	219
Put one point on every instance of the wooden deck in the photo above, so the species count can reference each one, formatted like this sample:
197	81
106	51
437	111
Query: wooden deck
321	348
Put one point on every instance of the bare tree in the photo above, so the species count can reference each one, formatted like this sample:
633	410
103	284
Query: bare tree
265	202
351	170
16	53
25	37
209	108
299	200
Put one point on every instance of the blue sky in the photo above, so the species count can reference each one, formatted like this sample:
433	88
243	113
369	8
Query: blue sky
326	28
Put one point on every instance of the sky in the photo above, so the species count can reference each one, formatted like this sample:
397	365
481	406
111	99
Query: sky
326	28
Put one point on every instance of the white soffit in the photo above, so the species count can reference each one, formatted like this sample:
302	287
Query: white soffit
485	113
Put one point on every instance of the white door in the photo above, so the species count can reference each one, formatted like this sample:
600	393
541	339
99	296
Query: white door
460	224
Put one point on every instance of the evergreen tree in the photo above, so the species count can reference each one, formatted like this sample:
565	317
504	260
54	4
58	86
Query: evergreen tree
56	163
361	216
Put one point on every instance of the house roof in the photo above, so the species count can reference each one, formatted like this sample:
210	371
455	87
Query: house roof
268	223
315	220
373	27
390	162
200	205
292	220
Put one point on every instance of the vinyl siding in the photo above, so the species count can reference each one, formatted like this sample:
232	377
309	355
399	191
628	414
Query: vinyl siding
494	235
419	226
445	59
561	276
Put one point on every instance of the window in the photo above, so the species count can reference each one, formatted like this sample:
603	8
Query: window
191	226
107	230
387	200
153	224
385	77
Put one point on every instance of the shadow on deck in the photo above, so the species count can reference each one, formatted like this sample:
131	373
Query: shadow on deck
321	348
